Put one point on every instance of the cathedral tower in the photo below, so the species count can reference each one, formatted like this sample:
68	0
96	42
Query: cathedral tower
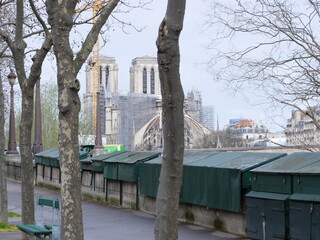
144	76
108	87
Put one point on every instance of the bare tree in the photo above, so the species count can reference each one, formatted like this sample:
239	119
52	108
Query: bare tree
3	172
279	53
167	206
18	46
214	139
60	17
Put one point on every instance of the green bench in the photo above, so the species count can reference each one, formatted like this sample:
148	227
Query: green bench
42	230
39	232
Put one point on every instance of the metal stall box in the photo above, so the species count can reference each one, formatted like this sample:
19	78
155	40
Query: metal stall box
50	160
95	165
220	181
304	216
149	172
304	203
266	215
123	170
297	178
214	180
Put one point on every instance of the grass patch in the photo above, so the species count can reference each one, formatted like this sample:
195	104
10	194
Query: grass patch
92	198
189	216
50	187
13	214
5	227
218	224
87	197
100	199
134	206
114	201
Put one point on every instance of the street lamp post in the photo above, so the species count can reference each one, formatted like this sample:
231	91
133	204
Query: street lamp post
98	142
37	145
12	145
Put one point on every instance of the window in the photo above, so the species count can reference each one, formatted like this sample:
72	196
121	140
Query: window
100	74
144	81
152	81
107	75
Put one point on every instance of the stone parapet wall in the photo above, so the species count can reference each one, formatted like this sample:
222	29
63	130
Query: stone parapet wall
125	194
13	170
211	218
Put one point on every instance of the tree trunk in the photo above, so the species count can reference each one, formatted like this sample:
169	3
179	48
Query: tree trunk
17	47
60	19
3	172
27	89
27	174
167	206
27	177
69	107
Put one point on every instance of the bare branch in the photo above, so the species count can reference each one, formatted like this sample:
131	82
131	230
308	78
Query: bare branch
40	56
93	34
6	37
37	15
285	55
3	50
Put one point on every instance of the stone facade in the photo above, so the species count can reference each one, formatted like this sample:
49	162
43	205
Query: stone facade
301	130
245	131
108	87
144	76
108	76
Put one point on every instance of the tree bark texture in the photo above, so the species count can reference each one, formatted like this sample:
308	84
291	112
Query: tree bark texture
60	17
27	176
3	171
27	90
17	47
167	205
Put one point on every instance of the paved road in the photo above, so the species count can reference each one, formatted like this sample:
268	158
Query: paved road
113	223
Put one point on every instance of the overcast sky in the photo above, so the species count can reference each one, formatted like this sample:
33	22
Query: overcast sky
194	74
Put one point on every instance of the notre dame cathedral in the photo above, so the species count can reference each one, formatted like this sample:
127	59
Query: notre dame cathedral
134	119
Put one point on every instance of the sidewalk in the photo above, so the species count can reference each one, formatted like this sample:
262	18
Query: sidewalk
112	223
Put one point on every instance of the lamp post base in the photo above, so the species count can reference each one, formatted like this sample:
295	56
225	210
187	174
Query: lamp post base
12	152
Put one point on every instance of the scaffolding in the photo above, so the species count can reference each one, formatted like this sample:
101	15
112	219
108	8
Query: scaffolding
133	112
94	62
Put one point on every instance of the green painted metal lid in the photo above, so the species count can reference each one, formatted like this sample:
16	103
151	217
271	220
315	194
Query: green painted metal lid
267	195
296	163
86	160
232	160
305	197
188	157
132	157
108	155
54	153
49	153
